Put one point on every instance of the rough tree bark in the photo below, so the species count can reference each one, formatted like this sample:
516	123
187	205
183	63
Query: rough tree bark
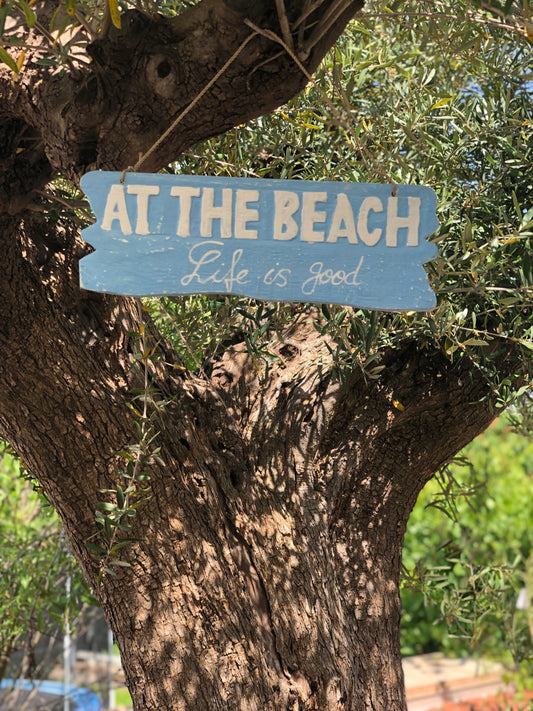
265	575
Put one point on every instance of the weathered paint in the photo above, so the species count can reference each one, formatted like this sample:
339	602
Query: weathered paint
286	240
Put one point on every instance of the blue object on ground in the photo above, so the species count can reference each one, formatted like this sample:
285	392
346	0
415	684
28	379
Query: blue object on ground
49	692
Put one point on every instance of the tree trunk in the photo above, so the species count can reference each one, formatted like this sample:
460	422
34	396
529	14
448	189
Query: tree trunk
265	574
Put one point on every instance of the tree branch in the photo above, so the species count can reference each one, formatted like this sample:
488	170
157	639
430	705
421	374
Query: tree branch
145	75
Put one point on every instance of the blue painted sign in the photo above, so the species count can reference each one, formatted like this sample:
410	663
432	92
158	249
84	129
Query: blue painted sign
286	240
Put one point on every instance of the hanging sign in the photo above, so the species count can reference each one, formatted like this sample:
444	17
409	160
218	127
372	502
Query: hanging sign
286	240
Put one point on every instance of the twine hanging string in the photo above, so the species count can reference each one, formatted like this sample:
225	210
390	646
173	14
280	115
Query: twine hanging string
366	155
189	107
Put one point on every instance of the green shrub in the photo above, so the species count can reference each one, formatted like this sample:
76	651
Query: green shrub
467	544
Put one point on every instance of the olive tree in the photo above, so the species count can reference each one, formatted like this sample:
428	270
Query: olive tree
235	478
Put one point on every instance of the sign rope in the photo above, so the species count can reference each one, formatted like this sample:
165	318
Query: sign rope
363	150
188	108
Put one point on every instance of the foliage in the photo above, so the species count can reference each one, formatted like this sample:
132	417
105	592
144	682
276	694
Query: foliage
416	93
467	549
419	95
34	565
115	516
71	26
202	326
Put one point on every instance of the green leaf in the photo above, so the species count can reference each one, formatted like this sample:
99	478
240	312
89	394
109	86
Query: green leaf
107	506
119	563
108	527
8	59
475	342
114	12
4	11
96	548
30	16
46	62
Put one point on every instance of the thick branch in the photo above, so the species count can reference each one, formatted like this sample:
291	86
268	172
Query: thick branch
145	75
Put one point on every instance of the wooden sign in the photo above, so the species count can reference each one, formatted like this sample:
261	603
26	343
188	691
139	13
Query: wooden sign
285	240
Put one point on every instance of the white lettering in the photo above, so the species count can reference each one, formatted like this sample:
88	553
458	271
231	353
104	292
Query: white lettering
211	212
185	195
286	204
143	193
201	254
343	215
373	204
310	216
115	209
395	223
277	277
323	276
244	214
